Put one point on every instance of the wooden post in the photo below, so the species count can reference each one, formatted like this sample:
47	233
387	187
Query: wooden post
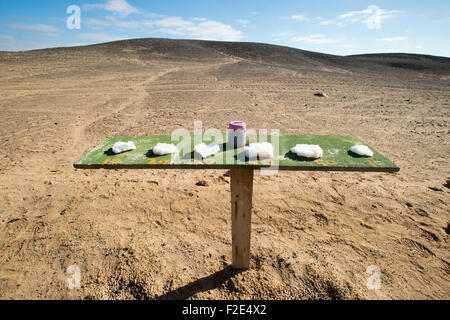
241	213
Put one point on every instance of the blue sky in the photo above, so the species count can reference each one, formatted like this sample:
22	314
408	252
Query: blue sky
338	27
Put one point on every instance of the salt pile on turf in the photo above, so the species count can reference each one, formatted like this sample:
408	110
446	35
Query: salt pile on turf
120	146
361	150
164	148
308	150
206	150
262	150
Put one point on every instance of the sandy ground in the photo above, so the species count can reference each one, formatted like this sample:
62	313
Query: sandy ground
155	234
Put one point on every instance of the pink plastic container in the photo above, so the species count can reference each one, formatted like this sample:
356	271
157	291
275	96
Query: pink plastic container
236	134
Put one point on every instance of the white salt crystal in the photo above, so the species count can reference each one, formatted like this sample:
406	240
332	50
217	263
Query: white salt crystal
164	148
262	150
206	150
308	150
361	150
119	147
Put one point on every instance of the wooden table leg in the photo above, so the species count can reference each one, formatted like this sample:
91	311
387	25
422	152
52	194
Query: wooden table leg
241	213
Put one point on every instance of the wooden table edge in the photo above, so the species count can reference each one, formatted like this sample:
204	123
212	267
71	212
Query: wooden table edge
230	167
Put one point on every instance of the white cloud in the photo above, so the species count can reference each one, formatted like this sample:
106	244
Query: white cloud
243	22
278	36
300	17
373	16
314	39
203	29
283	34
175	22
116	6
329	22
296	17
37	29
199	19
392	39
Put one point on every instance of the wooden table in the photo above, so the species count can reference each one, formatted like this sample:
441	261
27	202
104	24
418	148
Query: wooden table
336	157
